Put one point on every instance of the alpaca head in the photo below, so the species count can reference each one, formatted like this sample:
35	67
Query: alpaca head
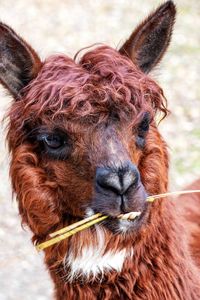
82	134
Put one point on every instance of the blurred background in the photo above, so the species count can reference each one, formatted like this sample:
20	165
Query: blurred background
53	26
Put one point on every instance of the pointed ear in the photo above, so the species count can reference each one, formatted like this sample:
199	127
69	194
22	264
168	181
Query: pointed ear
19	63
149	41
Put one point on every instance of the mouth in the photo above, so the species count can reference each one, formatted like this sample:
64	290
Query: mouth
122	223
113	206
119	225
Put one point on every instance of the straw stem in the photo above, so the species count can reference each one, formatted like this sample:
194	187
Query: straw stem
152	198
74	225
68	234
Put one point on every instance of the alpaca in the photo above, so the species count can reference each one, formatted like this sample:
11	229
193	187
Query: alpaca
83	139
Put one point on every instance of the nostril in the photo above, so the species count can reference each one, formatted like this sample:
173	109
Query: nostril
106	186
119	180
102	182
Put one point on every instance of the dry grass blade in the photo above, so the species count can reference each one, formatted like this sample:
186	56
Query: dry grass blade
129	216
152	198
68	228
74	225
79	226
69	233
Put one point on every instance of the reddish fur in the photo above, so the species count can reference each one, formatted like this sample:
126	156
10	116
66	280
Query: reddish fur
88	89
190	213
101	97
162	267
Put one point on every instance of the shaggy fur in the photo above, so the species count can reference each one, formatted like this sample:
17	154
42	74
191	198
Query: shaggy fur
98	104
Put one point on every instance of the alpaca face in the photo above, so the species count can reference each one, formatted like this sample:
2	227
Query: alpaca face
82	133
91	153
94	165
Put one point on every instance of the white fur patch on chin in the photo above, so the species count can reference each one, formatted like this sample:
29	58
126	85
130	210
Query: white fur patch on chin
93	263
124	226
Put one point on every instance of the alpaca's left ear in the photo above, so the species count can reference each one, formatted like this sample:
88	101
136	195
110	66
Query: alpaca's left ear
149	41
19	63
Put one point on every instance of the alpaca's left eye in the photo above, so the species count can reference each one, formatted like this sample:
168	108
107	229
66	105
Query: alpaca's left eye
144	124
142	130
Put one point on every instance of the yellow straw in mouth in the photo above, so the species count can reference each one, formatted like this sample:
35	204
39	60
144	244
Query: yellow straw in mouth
152	198
79	226
74	225
67	234
70	230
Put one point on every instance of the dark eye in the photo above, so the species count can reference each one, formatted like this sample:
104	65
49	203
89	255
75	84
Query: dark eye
142	130
144	124
54	141
56	144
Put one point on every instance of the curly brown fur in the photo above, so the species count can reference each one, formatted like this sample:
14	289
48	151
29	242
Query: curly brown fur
98	114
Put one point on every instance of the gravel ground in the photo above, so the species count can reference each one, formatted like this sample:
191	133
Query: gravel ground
66	26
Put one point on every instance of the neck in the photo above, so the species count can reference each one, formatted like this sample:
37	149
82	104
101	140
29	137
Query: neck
155	263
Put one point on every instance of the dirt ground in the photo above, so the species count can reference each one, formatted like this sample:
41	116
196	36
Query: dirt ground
53	26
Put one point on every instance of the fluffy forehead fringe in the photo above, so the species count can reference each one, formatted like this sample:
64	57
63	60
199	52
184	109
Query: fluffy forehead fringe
102	81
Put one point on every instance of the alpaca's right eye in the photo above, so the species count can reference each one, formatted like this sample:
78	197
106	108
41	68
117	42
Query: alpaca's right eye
54	141
55	144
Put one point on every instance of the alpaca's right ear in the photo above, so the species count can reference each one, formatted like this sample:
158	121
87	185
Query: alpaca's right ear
19	63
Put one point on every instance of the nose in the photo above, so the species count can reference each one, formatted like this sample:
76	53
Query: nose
117	180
